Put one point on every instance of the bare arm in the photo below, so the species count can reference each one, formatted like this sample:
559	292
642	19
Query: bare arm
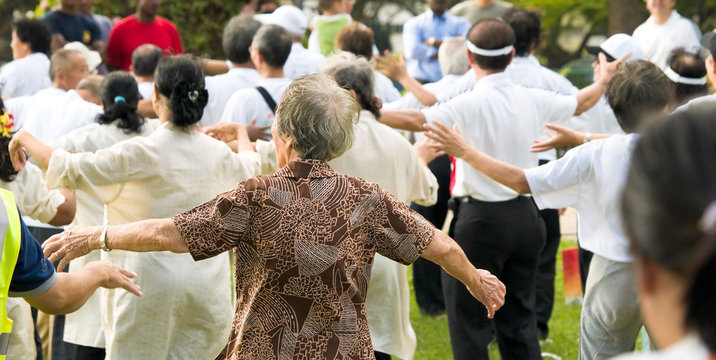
71	291
589	96
214	67
406	119
452	142
38	150
563	137
398	70
140	236
65	212
484	286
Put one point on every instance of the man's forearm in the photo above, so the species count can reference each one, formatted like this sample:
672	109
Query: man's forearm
502	172
589	96
412	120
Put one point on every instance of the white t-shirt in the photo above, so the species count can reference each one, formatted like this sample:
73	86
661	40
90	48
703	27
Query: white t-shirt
25	76
146	88
384	88
52	112
657	41
589	178
302	62
696	102
246	104
409	101
221	87
690	347
501	119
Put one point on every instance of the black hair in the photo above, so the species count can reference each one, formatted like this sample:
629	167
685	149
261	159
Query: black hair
36	33
237	38
688	65
145	59
491	34
636	91
181	80
668	194
526	25
274	43
120	95
7	170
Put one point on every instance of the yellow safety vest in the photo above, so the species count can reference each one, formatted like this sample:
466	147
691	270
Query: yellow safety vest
10	238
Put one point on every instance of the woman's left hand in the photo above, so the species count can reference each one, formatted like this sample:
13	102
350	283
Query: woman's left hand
72	243
17	154
489	290
449	141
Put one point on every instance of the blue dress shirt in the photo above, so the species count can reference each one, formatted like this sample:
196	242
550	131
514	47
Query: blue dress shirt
422	27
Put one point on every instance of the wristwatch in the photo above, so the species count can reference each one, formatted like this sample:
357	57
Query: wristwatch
103	240
587	138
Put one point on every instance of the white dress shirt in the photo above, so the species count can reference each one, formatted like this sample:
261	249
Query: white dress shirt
589	178
707	99
379	154
501	119
409	101
246	104
84	326
186	310
221	87
25	76
657	41
302	62
52	112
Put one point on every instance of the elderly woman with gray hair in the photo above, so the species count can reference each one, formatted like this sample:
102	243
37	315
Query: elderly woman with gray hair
304	238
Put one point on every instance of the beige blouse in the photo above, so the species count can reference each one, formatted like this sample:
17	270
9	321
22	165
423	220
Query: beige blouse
185	312
84	326
304	241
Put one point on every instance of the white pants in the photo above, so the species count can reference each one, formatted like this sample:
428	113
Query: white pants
610	319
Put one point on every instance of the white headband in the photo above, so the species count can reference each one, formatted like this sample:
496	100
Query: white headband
671	74
485	52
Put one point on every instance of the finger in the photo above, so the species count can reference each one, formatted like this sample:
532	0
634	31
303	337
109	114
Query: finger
490	311
253	122
602	58
127	273
63	263
556	128
51	245
131	287
623	58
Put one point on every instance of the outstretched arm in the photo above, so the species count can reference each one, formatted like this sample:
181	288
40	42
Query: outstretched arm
398	70
564	137
38	150
452	142
484	286
406	119
590	95
140	236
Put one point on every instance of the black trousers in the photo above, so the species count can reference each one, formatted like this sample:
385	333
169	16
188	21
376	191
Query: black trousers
426	274
506	239
546	270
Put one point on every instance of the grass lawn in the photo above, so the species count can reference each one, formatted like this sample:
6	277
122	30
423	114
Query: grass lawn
563	341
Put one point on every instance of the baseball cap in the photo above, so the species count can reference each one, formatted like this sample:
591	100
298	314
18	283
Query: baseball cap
92	57
617	46
289	17
708	41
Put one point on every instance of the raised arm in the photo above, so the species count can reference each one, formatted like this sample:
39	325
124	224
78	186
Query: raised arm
452	142
398	70
484	286
38	150
406	119
140	236
590	95
563	137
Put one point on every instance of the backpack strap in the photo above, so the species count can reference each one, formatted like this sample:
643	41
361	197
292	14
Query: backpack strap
267	98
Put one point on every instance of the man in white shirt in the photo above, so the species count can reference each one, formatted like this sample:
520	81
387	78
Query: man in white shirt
476	10
590	178
301	61
255	107
57	110
28	72
496	227
665	30
236	41
144	61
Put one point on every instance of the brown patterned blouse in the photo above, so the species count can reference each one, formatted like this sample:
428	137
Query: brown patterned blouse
304	240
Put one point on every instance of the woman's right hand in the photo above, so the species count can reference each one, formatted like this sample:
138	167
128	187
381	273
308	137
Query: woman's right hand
72	243
488	290
17	154
223	131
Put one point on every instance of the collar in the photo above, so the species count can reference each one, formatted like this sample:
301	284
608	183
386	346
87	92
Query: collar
435	16
525	60
495	80
306	168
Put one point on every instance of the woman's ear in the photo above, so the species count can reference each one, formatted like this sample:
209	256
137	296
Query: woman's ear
353	92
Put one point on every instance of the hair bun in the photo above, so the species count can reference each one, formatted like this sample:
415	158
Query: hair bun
187	103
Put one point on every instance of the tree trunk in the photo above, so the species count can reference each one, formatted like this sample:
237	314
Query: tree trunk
625	15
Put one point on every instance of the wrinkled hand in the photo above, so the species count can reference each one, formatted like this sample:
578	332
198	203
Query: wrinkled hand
425	152
560	136
223	131
17	154
115	276
488	290
389	66
257	132
449	141
72	243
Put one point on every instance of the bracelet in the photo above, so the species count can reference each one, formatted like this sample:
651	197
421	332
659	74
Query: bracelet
103	240
587	138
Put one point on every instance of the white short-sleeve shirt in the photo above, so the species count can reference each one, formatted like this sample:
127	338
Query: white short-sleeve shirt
589	178
302	62
25	76
657	41
384	88
502	120
221	87
246	104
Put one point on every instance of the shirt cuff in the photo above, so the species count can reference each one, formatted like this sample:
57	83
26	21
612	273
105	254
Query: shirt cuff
47	285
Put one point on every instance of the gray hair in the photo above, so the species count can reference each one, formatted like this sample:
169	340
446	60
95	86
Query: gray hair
318	115
352	72
62	60
92	84
452	56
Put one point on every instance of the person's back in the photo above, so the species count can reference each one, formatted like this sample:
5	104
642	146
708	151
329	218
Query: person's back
476	10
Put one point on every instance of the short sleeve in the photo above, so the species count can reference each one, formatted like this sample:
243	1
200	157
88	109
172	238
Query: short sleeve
554	108
402	234
449	113
556	184
217	225
33	273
